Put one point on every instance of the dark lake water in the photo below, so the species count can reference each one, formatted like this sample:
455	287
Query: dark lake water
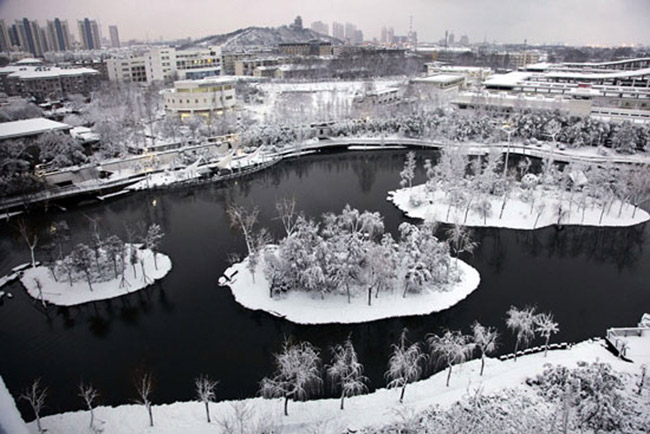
187	325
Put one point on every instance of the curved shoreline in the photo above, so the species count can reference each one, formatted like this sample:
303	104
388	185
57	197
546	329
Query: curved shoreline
516	215
60	293
303	308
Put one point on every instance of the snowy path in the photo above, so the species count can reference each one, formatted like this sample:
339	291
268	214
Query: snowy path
376	409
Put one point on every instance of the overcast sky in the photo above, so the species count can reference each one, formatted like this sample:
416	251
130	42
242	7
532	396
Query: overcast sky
606	22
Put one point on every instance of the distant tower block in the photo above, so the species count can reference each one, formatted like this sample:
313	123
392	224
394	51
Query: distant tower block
115	36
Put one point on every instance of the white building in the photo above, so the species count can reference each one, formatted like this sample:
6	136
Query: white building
202	97
167	63
131	69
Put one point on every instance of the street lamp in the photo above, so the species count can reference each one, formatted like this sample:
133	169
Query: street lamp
506	128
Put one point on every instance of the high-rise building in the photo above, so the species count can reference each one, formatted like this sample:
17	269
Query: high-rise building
350	30
451	39
115	36
320	27
387	35
358	37
58	35
89	34
464	40
31	38
5	41
338	31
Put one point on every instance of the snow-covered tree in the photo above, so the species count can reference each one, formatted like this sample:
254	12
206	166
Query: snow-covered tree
297	374
82	258
89	394
144	387
287	214
346	372
450	348
522	324
405	364
460	240
205	392
546	327
485	340
408	173
152	239
35	395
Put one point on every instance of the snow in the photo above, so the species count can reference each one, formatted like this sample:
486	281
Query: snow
10	420
375	409
62	294
507	80
29	127
517	213
304	308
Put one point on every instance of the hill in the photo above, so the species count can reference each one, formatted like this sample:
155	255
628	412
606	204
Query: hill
261	37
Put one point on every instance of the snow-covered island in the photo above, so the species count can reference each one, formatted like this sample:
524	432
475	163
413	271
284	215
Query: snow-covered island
484	196
349	270
79	278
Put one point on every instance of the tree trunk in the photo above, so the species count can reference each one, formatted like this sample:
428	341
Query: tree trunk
482	363
150	414
503	205
38	423
370	295
31	251
155	262
401	397
347	289
546	345
88	277
516	347
92	416
342	399
286	403
449	375
207	410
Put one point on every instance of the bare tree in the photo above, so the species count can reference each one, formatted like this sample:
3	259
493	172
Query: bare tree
144	387
405	364
88	393
245	221
35	395
297	375
287	214
546	327
485	339
522	323
451	347
346	372
30	238
205	392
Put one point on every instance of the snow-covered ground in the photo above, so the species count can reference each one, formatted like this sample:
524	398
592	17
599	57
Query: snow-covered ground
376	409
517	213
10	420
62	294
304	308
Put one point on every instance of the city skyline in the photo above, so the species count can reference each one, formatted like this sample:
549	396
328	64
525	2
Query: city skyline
575	22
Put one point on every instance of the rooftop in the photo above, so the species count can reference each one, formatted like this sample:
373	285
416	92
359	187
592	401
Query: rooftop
27	72
440	79
30	127
510	79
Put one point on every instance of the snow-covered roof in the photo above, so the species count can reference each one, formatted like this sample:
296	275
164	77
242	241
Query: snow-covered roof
510	79
29	72
29	127
597	75
29	61
440	79
205	81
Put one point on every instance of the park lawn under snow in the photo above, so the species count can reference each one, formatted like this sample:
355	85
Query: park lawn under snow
376	409
62	294
517	213
305	308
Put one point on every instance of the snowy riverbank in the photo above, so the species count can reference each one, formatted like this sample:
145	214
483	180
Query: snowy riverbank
376	409
517	213
304	308
61	293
